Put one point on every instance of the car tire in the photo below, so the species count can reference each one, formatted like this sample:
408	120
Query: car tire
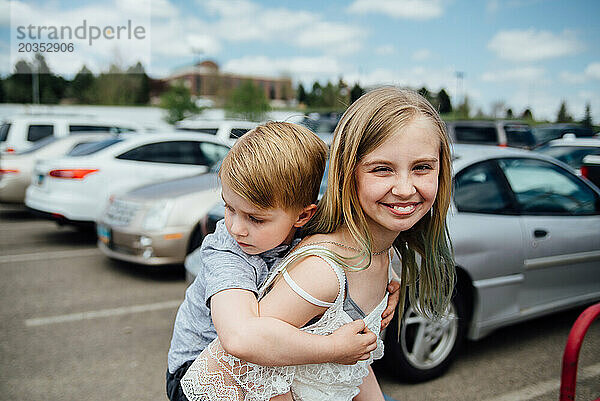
417	361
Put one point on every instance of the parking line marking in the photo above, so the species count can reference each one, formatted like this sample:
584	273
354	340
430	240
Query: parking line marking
126	310
539	389
29	257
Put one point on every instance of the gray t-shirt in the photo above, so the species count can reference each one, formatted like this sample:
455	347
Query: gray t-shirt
222	265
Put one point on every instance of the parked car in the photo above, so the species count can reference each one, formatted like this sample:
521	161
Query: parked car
546	133
500	133
591	169
75	188
16	168
322	124
226	130
571	150
21	132
158	224
526	236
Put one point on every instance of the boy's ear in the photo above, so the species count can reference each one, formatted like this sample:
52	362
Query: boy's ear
305	215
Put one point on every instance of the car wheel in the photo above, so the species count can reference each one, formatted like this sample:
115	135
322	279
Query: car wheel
425	348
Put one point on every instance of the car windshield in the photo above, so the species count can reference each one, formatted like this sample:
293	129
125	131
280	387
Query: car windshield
475	134
519	135
572	155
40	144
92	147
4	128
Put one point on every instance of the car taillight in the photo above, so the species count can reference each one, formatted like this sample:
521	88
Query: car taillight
585	171
9	149
503	145
72	173
8	171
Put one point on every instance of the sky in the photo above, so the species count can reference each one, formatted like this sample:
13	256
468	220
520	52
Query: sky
516	53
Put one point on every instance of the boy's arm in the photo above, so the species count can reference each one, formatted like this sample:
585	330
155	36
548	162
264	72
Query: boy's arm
369	389
269	341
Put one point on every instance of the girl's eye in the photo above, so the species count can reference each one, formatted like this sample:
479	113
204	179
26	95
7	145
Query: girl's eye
255	220
423	167
229	208
381	169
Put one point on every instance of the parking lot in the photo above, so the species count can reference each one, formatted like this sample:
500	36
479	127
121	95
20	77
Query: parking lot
76	325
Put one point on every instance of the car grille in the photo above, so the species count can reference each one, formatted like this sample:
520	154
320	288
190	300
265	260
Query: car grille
121	213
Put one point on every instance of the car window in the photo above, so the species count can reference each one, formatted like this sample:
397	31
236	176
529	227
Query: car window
519	135
572	155
91	128
37	132
178	152
210	131
211	153
4	128
479	189
92	147
40	144
238	132
541	187
472	134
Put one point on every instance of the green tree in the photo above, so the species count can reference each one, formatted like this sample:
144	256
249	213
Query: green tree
587	118
464	109
428	95
563	115
315	97
247	101
527	115
356	92
301	94
81	86
509	114
178	103
2	96
444	102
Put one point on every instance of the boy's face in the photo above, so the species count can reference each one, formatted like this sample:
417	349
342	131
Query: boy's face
254	229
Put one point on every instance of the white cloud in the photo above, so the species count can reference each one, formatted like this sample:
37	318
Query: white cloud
593	70
331	37
421	55
406	9
245	21
572	78
532	45
305	69
4	13
385	50
492	6
514	75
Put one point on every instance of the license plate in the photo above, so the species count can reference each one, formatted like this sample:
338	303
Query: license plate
104	234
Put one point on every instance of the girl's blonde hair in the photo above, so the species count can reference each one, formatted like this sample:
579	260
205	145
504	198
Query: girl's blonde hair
365	125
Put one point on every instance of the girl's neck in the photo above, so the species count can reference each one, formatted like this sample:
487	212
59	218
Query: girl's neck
380	242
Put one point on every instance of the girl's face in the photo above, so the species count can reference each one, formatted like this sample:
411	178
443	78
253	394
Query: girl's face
397	182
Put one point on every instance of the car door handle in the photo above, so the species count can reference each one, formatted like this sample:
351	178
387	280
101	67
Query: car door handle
539	233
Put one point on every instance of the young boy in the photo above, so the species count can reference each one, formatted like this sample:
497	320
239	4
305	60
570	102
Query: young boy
270	183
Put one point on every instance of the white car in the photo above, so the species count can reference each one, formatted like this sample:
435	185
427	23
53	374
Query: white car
226	130
571	150
19	133
16	168
75	189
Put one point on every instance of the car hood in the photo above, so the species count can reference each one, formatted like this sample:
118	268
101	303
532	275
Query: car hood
175	188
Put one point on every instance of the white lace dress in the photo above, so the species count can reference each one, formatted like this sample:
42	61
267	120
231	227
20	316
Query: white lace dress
218	376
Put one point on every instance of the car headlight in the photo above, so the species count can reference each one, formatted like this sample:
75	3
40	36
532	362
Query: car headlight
157	216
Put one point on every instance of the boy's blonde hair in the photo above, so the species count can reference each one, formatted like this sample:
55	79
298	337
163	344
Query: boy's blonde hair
367	123
276	165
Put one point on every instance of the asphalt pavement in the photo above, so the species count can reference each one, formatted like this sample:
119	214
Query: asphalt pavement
77	325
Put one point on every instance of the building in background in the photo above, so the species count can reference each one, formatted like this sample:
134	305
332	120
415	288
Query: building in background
204	80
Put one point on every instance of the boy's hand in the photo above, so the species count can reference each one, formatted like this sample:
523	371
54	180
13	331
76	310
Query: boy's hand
352	342
393	298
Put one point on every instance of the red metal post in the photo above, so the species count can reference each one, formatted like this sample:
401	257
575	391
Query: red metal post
571	355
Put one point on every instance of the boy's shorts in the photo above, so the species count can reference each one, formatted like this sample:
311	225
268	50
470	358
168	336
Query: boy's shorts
174	390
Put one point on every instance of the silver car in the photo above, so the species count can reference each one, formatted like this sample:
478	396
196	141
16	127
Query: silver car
158	224
526	236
